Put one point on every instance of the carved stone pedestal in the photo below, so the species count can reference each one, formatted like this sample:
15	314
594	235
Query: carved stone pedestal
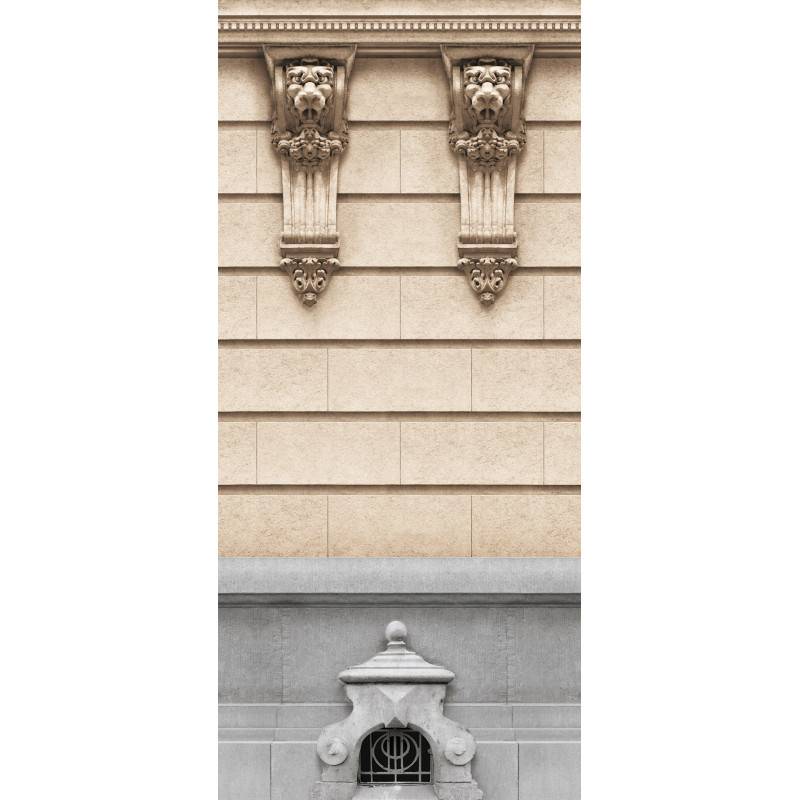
396	690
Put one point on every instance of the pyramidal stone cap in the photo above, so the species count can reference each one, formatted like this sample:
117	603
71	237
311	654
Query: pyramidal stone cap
396	664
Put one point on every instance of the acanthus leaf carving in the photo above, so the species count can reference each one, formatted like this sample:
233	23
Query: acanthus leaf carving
310	276
487	276
309	133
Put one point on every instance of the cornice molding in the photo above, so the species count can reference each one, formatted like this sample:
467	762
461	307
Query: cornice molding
347	24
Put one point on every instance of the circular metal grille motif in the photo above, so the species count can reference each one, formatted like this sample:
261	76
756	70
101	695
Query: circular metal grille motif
395	755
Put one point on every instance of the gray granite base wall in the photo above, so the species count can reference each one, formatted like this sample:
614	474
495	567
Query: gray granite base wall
513	644
505	770
499	654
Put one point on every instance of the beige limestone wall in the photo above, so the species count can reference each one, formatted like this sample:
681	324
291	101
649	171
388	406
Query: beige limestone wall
399	416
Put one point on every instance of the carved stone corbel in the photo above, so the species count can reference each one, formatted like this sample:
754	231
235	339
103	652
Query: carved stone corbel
309	131
487	132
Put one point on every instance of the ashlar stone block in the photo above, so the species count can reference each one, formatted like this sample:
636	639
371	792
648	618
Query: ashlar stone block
237	452
489	453
554	90
428	165
562	453
371	164
562	307
357	307
549	233
535	379
243	90
249	233
530	164
237	159
406	379
525	525
357	452
562	160
244	772
399	525
495	768
390	234
444	307
273	525
237	307
272	379
413	89
268	163
549	770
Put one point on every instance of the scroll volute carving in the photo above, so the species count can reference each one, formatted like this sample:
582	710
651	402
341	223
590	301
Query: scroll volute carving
487	132
309	132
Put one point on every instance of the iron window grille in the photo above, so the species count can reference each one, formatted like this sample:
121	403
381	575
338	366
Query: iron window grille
395	755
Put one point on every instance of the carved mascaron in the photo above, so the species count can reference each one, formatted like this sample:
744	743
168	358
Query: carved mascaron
487	91
309	131
487	132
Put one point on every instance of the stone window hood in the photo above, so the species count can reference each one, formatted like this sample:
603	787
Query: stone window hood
393	690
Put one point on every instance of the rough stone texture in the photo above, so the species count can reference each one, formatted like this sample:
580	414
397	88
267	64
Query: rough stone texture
273	525
294	770
496	767
357	452
495	720
345	577
562	463
434	226
562	309
319	642
526	525
275	379
237	452
249	233
268	163
371	163
535	379
237	307
489	453
417	88
237	159
244	771
428	165
562	162
355	307
530	164
549	770
546	644
408	379
444	307
554	90
549	234
243	90
250	655
399	525
542	715
292	654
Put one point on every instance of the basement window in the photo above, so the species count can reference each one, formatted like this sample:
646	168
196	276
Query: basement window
395	755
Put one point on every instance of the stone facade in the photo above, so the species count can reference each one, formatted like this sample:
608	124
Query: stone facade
399	376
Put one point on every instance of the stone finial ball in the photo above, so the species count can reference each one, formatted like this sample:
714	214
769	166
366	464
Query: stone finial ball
396	631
